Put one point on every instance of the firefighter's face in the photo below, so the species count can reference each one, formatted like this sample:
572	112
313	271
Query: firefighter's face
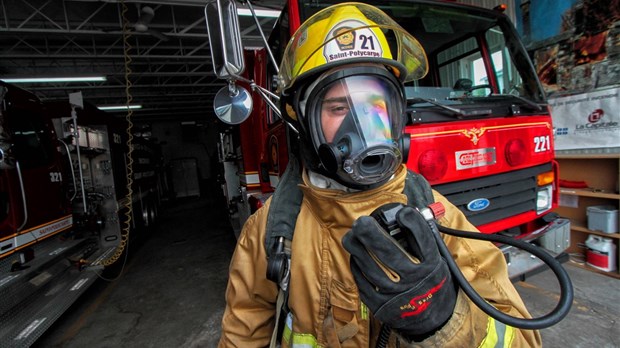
333	110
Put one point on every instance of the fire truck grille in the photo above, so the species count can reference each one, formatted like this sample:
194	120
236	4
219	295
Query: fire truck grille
508	194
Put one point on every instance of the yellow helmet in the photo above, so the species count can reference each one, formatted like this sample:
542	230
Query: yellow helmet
349	33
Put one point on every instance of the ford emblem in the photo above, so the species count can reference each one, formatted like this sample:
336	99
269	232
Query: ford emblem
478	204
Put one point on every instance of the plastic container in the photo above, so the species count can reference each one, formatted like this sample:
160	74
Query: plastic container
603	218
601	253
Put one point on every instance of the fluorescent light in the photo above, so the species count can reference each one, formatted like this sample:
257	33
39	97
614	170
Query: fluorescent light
119	107
259	13
54	79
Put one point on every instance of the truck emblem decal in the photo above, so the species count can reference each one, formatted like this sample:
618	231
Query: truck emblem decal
478	204
475	158
474	134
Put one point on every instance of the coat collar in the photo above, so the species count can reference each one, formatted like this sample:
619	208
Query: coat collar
341	208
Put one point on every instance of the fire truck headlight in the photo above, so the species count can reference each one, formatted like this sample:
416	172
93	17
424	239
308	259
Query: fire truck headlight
544	199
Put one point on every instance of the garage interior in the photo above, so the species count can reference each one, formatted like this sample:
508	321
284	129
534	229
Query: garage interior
156	55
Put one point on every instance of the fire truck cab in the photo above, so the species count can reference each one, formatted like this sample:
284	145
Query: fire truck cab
480	128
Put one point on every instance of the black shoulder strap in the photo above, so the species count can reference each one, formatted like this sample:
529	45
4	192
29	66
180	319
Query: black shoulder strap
284	207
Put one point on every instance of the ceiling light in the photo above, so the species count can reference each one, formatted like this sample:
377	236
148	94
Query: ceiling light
54	79
259	13
119	107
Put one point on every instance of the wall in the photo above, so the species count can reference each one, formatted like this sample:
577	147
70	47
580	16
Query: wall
196	140
575	44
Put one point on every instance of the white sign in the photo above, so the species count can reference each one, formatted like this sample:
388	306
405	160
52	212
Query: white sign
588	120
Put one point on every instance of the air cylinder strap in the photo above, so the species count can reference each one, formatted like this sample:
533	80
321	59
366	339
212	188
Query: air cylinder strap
285	206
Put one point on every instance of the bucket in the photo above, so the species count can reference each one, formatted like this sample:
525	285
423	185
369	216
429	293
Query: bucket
601	253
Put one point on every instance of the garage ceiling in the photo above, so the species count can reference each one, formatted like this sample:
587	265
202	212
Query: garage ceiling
171	73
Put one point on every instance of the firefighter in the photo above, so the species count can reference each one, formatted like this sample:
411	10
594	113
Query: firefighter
347	282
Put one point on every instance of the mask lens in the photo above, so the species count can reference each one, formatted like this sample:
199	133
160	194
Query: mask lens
369	97
361	105
356	124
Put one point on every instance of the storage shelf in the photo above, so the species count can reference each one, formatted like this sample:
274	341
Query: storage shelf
600	170
589	193
575	226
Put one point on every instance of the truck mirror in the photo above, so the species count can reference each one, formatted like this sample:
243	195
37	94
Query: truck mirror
232	104
224	38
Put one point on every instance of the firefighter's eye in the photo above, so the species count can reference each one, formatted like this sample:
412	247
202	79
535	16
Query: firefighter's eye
340	110
336	109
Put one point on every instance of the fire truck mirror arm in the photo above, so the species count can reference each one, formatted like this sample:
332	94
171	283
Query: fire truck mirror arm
268	97
262	35
232	105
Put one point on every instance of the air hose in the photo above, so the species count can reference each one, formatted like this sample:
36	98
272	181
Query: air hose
566	288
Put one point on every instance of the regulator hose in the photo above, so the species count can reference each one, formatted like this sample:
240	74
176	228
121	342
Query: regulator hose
566	287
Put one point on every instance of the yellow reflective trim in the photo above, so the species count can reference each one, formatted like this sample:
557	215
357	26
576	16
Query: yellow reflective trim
364	311
509	336
499	335
296	340
304	341
491	339
288	329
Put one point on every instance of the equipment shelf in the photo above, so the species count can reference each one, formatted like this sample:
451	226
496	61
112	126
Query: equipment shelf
600	170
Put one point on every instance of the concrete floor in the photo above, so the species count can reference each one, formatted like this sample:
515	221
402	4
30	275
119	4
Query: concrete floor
171	293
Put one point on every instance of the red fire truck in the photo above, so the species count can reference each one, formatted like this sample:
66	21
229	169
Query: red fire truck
63	206
481	131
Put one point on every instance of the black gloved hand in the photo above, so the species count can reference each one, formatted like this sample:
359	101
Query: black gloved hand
414	294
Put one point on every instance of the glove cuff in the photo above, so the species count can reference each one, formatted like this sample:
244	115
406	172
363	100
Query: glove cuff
424	308
421	337
446	331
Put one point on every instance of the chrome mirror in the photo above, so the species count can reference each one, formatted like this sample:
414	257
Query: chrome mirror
232	104
224	38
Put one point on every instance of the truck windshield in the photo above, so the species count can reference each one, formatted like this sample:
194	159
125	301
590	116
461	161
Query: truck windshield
477	62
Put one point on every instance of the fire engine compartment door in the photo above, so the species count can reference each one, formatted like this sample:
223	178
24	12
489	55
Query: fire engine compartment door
39	167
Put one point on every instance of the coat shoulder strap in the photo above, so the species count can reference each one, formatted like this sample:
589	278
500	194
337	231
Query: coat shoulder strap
284	207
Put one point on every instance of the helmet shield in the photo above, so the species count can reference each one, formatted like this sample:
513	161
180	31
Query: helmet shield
356	124
350	33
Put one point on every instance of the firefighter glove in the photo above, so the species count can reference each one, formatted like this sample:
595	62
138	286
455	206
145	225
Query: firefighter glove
413	291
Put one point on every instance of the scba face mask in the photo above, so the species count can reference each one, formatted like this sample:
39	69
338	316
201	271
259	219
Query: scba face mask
356	126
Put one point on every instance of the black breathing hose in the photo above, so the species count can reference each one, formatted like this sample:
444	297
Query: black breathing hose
566	287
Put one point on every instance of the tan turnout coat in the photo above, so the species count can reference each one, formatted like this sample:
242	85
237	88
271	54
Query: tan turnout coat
325	307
